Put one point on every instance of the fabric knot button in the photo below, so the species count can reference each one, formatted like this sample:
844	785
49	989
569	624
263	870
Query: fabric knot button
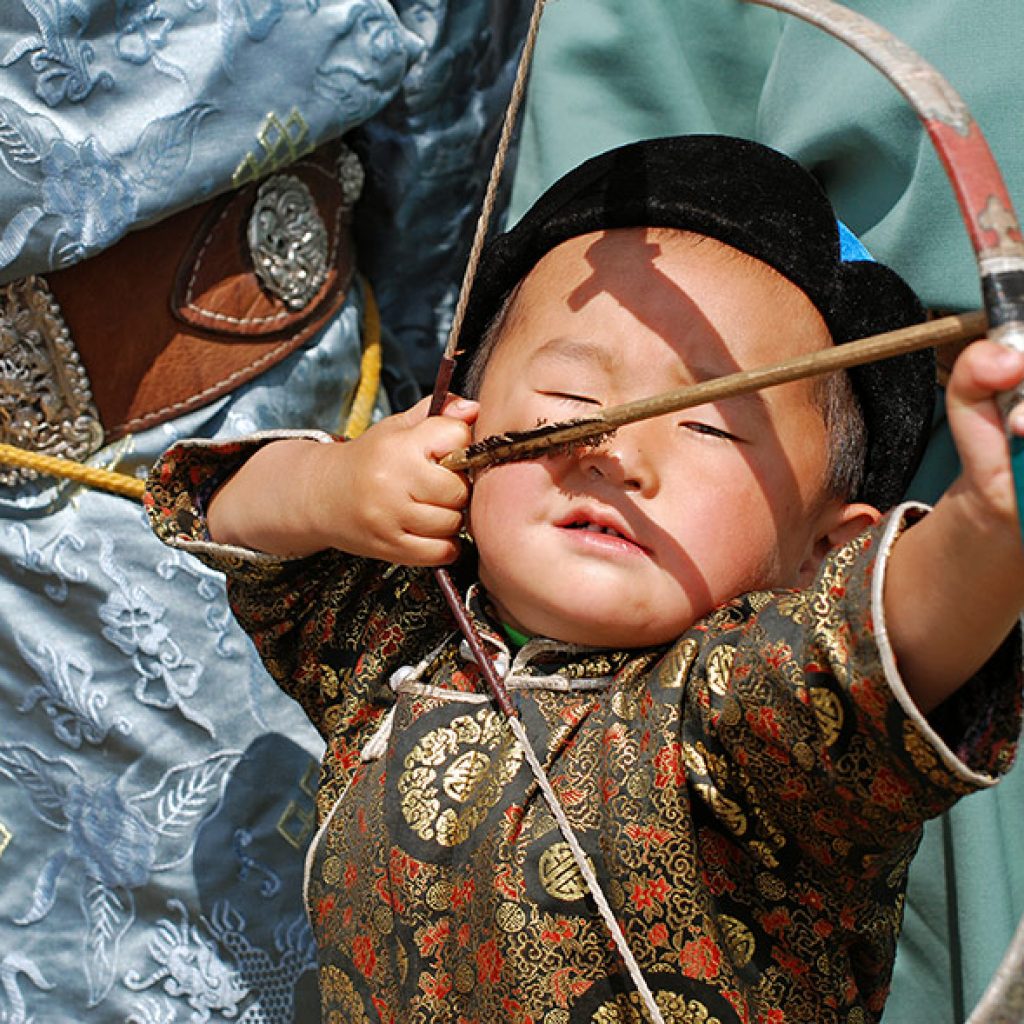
500	660
400	675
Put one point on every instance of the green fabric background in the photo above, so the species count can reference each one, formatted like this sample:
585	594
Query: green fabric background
609	71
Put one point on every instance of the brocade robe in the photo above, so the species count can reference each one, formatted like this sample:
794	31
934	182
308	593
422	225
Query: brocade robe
749	796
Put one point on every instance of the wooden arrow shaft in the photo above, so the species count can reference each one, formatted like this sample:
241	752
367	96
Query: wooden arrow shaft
550	437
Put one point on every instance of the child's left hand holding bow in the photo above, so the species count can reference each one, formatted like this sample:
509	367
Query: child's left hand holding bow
955	583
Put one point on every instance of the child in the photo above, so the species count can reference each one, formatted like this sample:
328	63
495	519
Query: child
748	687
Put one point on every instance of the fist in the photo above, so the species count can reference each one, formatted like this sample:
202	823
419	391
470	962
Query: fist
406	508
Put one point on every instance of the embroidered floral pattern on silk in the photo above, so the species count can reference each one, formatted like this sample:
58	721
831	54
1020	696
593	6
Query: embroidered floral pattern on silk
111	114
156	789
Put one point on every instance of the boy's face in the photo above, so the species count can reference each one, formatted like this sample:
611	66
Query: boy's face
630	543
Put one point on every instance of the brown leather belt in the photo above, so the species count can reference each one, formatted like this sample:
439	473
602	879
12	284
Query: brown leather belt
178	314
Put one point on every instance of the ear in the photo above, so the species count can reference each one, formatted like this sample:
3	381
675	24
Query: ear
837	524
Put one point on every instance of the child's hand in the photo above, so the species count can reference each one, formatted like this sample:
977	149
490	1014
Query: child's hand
982	371
403	506
382	495
955	582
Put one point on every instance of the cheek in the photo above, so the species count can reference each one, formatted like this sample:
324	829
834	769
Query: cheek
498	501
723	490
726	522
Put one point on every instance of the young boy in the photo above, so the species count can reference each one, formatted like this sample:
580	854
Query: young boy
749	688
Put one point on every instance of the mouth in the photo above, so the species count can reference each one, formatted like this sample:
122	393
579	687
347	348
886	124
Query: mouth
610	531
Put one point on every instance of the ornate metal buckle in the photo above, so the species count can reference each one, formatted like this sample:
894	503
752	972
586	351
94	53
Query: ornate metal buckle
288	240
46	402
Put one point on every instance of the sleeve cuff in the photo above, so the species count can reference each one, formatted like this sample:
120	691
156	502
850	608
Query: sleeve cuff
184	480
967	743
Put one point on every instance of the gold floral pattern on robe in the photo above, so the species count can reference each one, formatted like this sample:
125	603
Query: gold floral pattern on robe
749	796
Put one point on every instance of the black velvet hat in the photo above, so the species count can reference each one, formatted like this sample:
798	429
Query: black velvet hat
759	201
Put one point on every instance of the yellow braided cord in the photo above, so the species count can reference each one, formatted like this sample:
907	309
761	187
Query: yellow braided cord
68	469
361	411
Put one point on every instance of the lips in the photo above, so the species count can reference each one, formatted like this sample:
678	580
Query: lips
599	524
596	528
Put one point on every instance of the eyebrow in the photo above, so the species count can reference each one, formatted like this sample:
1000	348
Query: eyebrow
577	350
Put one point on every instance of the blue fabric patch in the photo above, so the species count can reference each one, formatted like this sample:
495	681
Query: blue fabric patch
851	249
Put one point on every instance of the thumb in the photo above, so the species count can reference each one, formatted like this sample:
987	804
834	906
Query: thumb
464	409
982	371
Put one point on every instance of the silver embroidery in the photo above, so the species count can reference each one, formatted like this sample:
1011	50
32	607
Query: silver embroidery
351	175
46	402
288	241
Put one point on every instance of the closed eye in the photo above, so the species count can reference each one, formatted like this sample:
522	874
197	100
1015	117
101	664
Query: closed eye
708	430
568	396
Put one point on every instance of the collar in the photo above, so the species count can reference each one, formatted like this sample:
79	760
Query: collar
541	663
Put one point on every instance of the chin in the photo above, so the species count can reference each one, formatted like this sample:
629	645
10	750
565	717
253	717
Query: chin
587	614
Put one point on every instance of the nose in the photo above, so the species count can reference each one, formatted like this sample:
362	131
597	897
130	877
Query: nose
625	459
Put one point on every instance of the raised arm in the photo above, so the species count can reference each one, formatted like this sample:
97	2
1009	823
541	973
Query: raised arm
955	584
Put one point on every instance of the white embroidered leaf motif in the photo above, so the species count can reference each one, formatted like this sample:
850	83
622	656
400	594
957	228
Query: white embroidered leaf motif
28	44
45	892
165	148
24	140
109	913
46	782
183	796
19	227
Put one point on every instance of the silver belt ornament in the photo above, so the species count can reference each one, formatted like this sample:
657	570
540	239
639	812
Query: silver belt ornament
46	401
288	240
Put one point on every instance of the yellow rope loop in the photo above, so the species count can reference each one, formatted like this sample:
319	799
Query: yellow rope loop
68	469
361	411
